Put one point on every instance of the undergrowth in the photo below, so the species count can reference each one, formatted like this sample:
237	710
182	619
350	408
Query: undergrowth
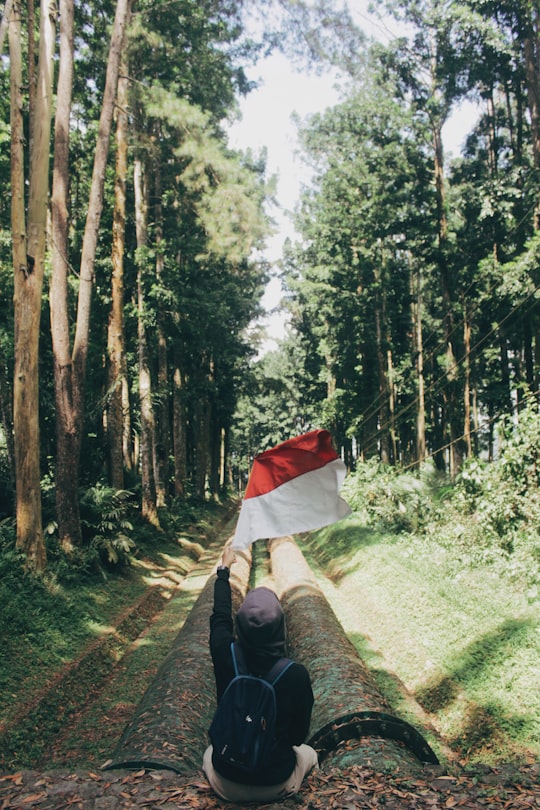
47	620
437	583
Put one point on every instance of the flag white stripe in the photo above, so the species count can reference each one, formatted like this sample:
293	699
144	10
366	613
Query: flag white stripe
307	502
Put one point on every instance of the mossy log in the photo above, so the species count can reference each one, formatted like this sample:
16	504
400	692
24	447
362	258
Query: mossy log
169	727
352	722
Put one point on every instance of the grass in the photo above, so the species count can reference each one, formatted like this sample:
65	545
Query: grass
453	639
464	641
47	622
94	736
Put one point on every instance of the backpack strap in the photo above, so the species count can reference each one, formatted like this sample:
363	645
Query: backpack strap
239	662
279	669
272	677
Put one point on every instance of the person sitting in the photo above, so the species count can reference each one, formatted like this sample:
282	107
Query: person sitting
261	634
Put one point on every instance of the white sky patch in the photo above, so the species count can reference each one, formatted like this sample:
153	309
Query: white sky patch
266	121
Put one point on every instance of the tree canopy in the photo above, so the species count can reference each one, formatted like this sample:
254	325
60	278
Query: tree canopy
134	248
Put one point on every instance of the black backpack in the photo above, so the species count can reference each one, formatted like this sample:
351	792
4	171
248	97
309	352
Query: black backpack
244	726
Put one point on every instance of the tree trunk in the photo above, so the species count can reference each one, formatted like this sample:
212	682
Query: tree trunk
467	386
116	336
528	347
162	430
370	394
95	207
421	405
70	369
32	67
223	456
392	407
383	410
128	448
214	465
67	503
6	414
70	399
202	452
179	436
531	50
163	438
28	265
148	502
449	393
505	373
8	5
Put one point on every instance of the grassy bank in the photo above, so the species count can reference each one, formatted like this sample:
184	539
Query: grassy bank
48	622
463	639
447	617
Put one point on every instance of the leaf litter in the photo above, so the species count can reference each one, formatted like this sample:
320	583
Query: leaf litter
358	787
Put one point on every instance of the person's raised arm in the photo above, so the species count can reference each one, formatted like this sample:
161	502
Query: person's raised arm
221	622
228	557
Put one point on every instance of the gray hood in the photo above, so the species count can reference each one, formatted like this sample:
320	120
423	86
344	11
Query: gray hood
260	623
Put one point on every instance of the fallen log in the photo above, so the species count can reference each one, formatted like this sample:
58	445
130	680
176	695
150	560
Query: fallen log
352	722
169	727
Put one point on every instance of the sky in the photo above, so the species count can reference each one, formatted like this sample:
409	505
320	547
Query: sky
266	121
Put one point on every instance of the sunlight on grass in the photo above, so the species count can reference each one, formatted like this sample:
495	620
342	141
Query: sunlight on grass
195	583
100	629
461	639
195	549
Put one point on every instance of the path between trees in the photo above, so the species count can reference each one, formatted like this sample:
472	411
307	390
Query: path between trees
51	785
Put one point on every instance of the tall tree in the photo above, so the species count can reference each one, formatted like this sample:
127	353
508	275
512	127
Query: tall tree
70	400
28	263
354	269
147	426
8	5
117	383
432	68
66	506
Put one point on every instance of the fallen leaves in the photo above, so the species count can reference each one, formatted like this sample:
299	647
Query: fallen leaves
354	788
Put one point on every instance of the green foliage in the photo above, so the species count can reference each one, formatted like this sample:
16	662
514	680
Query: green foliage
7	494
388	255
9	556
393	500
47	621
350	279
271	408
503	498
28	605
444	608
106	525
488	516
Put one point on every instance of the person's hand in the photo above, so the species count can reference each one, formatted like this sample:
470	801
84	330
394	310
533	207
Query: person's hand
229	557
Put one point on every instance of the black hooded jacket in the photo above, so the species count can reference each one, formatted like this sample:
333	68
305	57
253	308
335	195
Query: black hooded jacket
294	696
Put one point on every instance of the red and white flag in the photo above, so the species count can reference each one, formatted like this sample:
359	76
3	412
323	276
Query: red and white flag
294	487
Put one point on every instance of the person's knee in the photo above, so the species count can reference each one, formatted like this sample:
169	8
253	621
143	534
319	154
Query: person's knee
306	757
207	759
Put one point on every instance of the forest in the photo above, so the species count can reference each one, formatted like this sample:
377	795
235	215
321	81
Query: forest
132	250
136	389
132	262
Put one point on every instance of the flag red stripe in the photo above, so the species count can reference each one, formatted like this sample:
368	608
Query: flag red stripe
288	460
